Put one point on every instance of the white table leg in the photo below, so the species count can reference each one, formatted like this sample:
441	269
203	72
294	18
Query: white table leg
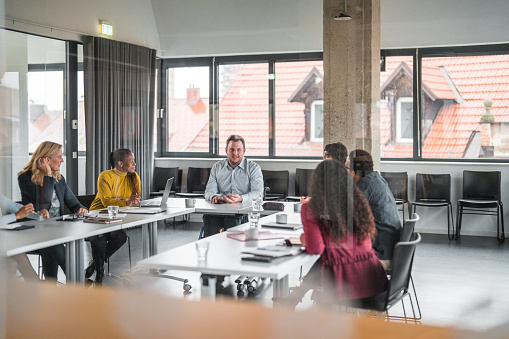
153	238
70	262
208	286
281	288
80	261
145	241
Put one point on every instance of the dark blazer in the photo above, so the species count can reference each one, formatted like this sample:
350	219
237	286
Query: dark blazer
41	196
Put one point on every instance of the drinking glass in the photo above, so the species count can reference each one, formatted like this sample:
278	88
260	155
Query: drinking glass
112	211
202	248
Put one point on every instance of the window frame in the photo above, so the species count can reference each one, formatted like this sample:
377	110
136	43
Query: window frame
216	150
399	127
312	133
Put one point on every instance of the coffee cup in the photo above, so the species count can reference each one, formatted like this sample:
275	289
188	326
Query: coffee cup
190	202
281	218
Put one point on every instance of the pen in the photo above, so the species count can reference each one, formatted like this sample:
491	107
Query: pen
139	204
221	230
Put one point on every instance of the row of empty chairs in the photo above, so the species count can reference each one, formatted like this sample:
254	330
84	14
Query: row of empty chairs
481	194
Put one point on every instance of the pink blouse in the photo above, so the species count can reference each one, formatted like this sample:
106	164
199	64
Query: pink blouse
354	266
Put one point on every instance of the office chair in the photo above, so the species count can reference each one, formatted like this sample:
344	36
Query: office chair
398	184
197	178
161	175
277	184
302	180
398	285
481	195
434	190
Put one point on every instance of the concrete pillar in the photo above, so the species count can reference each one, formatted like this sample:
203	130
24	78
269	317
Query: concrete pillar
351	60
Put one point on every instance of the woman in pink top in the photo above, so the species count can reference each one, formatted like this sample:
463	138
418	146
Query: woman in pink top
339	226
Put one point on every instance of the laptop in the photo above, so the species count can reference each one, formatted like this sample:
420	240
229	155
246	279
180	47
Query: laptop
288	227
157	206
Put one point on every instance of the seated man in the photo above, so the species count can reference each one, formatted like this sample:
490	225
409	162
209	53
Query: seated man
335	151
381	201
234	179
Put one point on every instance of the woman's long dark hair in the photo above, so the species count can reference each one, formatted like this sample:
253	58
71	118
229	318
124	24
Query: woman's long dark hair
338	203
120	155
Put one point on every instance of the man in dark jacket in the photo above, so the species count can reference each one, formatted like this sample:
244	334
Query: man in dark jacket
382	202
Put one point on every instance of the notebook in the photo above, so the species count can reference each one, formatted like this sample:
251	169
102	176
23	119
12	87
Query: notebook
289	227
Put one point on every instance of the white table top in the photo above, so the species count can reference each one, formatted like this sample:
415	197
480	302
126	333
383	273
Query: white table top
224	257
51	232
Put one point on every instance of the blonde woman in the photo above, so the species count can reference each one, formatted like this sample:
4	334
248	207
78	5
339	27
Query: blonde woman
42	185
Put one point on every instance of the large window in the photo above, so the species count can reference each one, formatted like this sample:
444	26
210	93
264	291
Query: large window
396	107
454	89
299	108
32	103
187	106
244	105
274	101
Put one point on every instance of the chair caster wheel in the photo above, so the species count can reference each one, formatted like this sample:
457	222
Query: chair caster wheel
240	287
187	287
251	288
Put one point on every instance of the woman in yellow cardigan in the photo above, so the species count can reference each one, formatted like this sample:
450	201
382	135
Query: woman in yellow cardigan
119	186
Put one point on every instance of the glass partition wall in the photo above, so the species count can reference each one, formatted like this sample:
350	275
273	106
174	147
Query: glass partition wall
32	102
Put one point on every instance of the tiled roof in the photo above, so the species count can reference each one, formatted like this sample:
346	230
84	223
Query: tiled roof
244	110
475	78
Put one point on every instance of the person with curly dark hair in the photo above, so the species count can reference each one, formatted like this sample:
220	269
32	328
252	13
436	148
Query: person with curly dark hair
339	226
382	203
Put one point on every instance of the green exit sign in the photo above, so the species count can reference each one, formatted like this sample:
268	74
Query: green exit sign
106	29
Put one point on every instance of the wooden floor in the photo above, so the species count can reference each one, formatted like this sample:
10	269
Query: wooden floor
462	283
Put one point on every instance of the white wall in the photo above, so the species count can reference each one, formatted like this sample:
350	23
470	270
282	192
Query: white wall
222	27
133	20
433	220
418	23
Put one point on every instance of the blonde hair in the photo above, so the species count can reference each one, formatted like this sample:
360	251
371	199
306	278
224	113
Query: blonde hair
46	149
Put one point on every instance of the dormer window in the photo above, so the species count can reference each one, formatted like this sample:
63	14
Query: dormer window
404	120
317	120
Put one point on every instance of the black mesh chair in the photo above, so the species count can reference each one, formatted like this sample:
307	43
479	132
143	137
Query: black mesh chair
398	285
481	195
434	190
302	180
161	176
197	178
277	184
398	184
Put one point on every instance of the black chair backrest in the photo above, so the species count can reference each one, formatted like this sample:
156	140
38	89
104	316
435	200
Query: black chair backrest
178	186
402	261
161	175
86	200
302	180
408	228
197	178
398	184
433	187
277	182
481	185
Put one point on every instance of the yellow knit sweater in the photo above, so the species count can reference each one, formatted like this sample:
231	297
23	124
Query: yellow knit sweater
112	186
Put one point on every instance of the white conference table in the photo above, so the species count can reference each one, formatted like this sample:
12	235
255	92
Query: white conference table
51	232
224	257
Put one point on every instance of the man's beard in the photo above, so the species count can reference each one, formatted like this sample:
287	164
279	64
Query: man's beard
234	164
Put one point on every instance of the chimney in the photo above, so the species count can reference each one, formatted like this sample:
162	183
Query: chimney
193	95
